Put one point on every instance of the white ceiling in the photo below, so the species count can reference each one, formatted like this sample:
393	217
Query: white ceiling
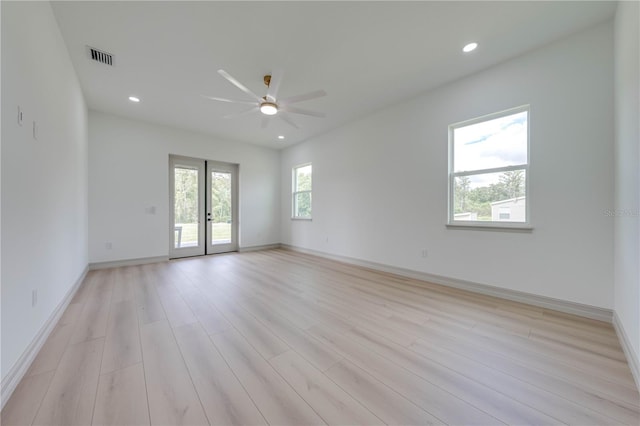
366	55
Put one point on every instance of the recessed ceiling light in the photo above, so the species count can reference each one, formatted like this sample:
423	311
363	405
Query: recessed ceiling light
134	99
470	47
280	137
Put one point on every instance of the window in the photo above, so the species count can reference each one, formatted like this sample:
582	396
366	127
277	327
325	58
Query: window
302	192
488	170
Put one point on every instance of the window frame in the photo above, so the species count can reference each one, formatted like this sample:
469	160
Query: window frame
294	185
491	224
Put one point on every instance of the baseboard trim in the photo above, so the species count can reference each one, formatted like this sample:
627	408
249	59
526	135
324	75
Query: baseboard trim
257	248
587	311
20	368
127	262
632	358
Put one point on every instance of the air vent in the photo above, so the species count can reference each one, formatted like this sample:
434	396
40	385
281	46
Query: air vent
100	56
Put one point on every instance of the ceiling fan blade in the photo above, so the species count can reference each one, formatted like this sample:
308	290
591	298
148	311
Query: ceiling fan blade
288	121
239	85
233	101
274	85
265	122
295	110
241	113
304	97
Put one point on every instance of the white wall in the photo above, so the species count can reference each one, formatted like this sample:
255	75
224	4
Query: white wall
380	184
129	172
44	181
627	176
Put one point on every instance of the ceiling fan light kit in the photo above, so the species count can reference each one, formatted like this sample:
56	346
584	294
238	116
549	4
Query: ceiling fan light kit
268	104
268	108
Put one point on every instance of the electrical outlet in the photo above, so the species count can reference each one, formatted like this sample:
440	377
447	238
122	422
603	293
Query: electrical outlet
424	252
19	116
35	131
34	298
108	245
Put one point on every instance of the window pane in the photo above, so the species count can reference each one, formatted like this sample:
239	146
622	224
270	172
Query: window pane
497	197
302	206
493	143
186	207
220	207
303	178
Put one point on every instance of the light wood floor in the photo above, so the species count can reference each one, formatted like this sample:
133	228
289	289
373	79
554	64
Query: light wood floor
276	337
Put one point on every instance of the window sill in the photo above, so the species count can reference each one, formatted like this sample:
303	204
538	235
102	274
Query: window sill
490	227
302	218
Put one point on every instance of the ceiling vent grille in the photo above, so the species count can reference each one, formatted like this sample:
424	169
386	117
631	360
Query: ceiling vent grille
100	56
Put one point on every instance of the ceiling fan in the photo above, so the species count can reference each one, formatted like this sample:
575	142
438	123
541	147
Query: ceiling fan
270	104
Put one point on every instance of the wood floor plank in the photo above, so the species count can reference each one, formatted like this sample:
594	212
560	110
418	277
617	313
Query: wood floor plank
580	344
597	395
23	405
553	405
331	403
287	305
177	311
71	394
224	399
498	405
311	349
259	336
377	325
275	399
123	286
433	399
304	315
122	343
149	307
92	322
71	313
51	352
86	287
575	373
122	398
381	400
172	397
206	313
196	300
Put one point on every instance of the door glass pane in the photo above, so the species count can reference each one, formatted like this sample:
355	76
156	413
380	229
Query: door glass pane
186	225
220	207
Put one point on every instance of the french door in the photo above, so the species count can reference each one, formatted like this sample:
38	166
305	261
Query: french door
204	207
